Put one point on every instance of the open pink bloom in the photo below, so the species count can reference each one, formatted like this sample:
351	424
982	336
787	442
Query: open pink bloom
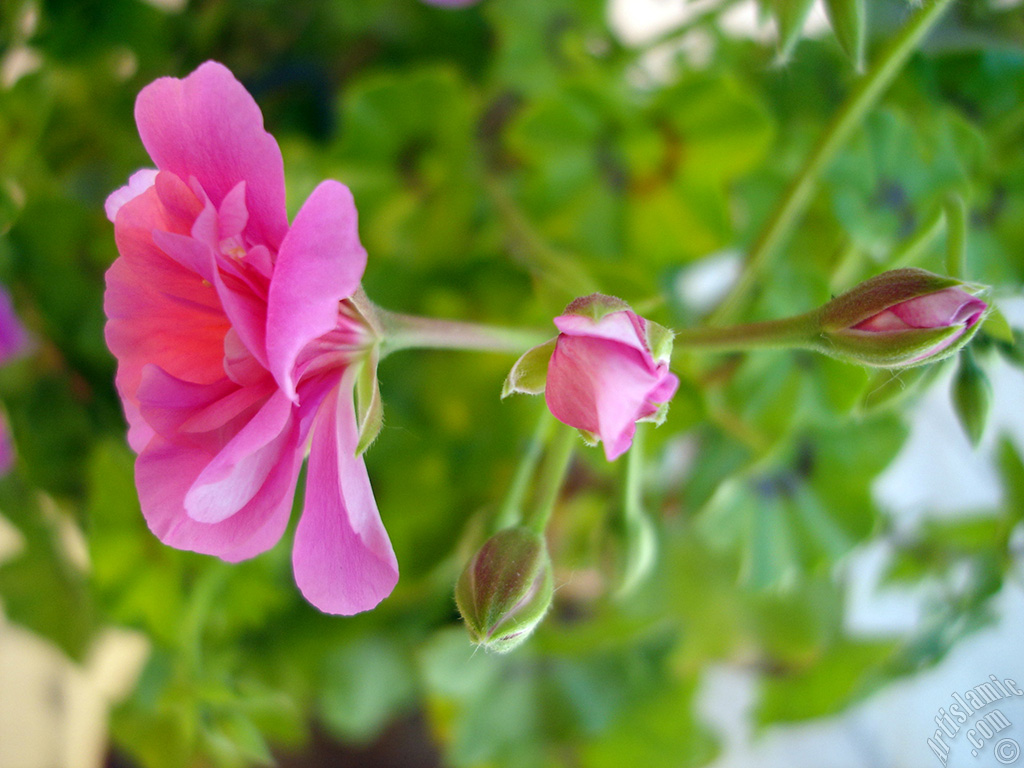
235	345
603	377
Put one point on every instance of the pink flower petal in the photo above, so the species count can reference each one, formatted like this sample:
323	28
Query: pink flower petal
342	557
163	474
603	387
320	263
950	306
207	126
159	312
203	415
238	472
138	183
624	327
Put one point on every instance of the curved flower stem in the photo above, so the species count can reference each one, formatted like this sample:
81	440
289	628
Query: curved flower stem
798	331
632	492
512	508
412	332
793	204
638	532
556	464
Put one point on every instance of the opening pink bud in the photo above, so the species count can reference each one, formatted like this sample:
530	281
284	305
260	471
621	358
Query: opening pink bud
609	370
900	318
941	309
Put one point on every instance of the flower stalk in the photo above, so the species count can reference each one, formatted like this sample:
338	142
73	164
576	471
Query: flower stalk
411	332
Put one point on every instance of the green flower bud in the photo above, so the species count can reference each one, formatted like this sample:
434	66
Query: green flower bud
506	589
899	319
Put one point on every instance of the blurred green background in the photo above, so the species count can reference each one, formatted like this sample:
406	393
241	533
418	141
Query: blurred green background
506	158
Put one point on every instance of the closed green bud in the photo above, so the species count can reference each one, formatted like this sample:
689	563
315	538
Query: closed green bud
972	396
506	589
898	319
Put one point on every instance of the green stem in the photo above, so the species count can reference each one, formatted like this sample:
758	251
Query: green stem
411	332
789	332
632	497
512	508
956	237
556	464
798	196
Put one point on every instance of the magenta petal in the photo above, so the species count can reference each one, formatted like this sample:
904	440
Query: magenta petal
187	251
238	472
950	306
342	557
320	263
164	473
207	126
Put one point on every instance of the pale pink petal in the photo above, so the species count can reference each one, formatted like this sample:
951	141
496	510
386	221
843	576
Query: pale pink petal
624	327
246	310
207	126
163	474
320	263
190	253
180	203
238	472
204	415
233	215
600	386
950	306
342	557
138	183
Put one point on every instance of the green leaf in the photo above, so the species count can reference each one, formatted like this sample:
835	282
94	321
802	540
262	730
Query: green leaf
1012	471
849	20
998	327
41	588
366	683
658	732
790	16
848	671
769	557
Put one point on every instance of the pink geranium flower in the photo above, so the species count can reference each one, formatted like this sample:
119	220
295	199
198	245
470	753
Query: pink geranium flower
235	341
603	376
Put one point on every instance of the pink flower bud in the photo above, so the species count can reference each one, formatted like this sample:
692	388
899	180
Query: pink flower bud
900	318
609	370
